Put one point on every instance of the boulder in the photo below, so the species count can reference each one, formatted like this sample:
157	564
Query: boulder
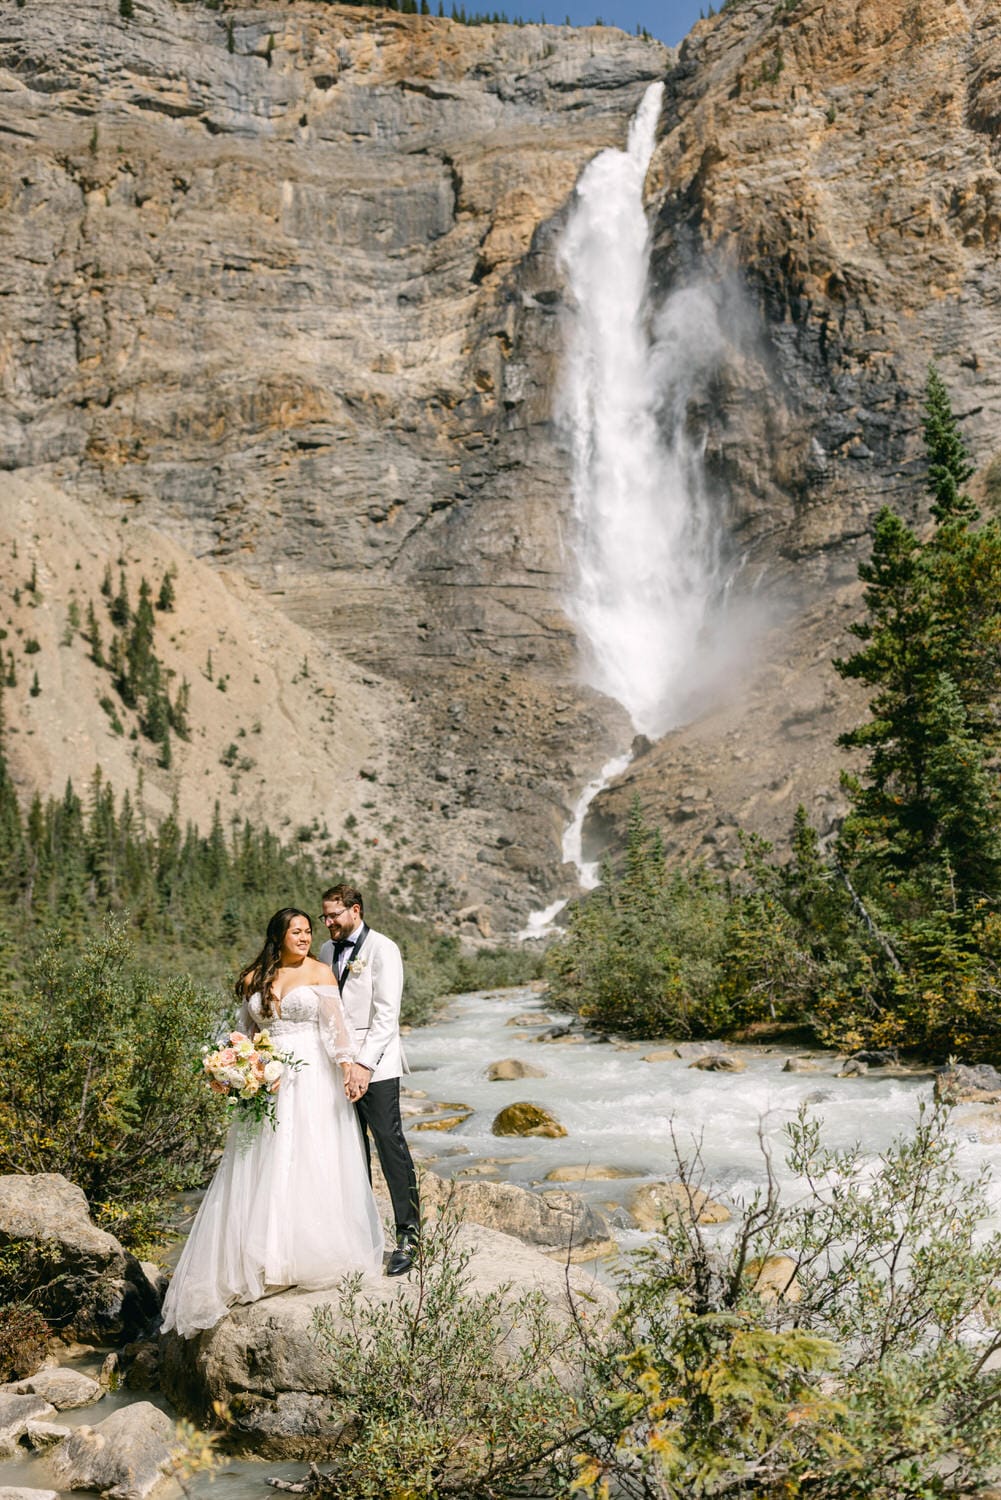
854	1069
95	1290
509	1068
15	1414
527	1119
65	1389
20	1492
653	1202
43	1434
719	1062
265	1363
800	1065
880	1057
139	1366
530	1018
977	1083
123	1456
558	1223
774	1278
662	1054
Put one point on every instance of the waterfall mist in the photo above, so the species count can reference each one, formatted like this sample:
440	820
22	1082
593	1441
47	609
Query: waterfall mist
644	544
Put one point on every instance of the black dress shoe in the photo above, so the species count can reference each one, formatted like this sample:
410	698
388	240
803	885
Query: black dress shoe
402	1257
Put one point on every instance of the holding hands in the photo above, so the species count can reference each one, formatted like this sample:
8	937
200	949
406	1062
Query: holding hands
356	1080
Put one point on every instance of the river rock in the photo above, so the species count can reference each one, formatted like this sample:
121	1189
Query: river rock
65	1389
555	1222
530	1018
972	1083
774	1278
801	1065
589	1172
719	1062
15	1414
44	1434
527	1119
121	1456
654	1201
854	1069
264	1362
509	1068
878	1057
662	1054
20	1492
445	1122
96	1289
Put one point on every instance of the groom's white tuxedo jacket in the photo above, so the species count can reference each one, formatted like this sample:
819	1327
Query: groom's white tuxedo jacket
371	990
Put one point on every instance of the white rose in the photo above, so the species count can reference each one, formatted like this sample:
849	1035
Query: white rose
272	1072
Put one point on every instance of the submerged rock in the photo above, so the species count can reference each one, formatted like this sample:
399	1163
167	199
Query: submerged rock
591	1172
652	1203
65	1389
123	1456
15	1414
510	1068
527	1119
719	1062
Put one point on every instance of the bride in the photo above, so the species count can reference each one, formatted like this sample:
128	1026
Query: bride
289	1206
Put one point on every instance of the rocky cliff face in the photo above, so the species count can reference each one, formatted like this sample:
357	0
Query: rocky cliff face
281	297
833	169
292	306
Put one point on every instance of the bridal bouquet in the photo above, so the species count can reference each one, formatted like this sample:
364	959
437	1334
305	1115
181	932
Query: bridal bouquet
249	1073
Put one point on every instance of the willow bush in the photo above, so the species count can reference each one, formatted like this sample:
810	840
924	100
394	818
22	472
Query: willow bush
98	1078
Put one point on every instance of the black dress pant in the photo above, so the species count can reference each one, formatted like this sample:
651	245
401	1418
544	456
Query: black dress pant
379	1112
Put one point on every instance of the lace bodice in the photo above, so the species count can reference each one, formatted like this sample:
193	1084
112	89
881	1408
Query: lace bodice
310	1006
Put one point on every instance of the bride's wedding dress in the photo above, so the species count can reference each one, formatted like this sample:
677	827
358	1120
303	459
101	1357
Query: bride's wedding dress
289	1206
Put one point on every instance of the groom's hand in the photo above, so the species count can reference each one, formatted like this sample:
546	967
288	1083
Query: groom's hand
357	1080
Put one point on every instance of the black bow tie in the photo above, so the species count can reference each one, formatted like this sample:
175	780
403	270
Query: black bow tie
341	944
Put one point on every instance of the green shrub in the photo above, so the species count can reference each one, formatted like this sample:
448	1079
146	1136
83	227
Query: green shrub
97	1079
448	1393
863	1371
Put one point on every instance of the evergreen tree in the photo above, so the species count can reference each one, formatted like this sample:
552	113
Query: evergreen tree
93	637
165	599
925	807
119	608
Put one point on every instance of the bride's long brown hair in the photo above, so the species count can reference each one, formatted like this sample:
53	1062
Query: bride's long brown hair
259	974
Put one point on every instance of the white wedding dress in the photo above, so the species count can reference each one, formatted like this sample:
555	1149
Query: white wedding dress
289	1206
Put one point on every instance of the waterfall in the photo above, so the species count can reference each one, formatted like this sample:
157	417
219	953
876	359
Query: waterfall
643	549
645	565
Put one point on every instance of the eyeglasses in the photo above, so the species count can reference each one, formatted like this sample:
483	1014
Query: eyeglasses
331	916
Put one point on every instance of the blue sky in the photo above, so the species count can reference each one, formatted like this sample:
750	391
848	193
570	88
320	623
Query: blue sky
669	20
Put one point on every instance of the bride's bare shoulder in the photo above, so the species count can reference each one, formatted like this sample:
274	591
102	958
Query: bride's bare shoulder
319	973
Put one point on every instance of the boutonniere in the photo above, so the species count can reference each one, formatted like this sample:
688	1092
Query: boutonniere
358	965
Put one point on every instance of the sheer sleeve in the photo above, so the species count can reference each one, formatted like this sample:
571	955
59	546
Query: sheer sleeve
245	1021
334	1032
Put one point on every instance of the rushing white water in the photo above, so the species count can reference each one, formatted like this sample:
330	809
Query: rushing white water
624	1112
541	923
645	559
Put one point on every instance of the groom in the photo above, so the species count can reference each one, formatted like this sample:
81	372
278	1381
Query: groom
369	973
